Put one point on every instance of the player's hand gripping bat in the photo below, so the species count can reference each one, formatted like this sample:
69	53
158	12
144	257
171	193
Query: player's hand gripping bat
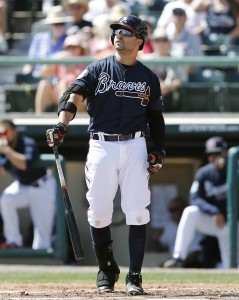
70	216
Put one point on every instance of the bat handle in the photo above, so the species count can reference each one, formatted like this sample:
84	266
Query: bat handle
55	151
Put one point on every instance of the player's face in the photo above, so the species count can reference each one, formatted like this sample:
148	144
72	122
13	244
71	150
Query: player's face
218	159
125	40
8	135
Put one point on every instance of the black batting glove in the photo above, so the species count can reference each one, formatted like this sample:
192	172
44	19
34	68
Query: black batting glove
56	135
155	160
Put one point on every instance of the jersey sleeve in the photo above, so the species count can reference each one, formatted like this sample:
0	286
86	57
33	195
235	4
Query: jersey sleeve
30	151
197	195
156	98
87	80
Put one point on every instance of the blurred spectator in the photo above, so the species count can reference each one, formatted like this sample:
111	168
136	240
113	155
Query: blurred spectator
3	25
154	5
184	43
195	20
222	27
138	7
33	187
117	11
47	5
100	45
77	10
57	78
170	77
148	20
48	43
98	7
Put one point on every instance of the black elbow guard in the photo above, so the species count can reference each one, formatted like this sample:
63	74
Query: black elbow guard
64	104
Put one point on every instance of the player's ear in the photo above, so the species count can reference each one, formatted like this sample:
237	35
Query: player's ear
140	42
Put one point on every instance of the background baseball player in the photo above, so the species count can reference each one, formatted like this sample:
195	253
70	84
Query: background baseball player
207	212
123	98
32	187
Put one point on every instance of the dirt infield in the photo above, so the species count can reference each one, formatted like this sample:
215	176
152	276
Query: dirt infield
82	290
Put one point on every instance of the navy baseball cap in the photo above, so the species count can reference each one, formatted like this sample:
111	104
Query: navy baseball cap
215	144
179	12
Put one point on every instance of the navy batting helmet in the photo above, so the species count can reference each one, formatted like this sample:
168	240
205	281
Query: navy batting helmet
134	24
215	144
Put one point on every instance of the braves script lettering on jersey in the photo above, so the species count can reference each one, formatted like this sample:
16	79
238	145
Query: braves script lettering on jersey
117	103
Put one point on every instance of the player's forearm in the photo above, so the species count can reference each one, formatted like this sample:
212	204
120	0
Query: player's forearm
66	116
157	129
18	160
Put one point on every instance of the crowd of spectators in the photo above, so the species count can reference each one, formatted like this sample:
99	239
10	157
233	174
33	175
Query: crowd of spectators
177	28
209	20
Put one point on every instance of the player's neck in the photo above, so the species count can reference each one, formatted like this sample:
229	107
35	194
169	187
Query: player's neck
124	59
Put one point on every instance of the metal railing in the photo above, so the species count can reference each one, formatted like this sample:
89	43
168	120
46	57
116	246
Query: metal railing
232	203
210	61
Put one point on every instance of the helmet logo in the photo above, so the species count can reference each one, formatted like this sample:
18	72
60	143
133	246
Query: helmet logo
123	19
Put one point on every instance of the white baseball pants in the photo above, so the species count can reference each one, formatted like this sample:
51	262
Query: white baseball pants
113	164
194	220
41	202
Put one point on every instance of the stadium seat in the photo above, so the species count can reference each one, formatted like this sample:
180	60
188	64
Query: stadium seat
20	98
197	97
207	75
231	96
232	76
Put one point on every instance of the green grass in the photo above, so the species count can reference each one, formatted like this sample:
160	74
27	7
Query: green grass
174	277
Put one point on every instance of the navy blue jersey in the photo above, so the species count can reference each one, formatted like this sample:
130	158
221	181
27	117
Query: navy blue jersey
209	190
118	96
29	148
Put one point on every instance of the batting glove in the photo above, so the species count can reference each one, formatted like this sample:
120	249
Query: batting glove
155	160
56	135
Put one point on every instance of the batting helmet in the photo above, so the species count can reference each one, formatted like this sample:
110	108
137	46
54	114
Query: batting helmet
215	144
134	24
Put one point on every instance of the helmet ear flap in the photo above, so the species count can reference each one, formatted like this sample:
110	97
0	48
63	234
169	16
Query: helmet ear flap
112	38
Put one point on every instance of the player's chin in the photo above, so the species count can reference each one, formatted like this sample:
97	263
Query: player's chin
119	45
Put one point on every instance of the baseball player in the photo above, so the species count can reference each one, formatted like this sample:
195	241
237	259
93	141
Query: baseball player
33	187
123	99
207	212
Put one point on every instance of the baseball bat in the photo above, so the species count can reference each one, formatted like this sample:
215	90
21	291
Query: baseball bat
70	215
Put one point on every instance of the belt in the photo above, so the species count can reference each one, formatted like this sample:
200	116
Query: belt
102	136
39	182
